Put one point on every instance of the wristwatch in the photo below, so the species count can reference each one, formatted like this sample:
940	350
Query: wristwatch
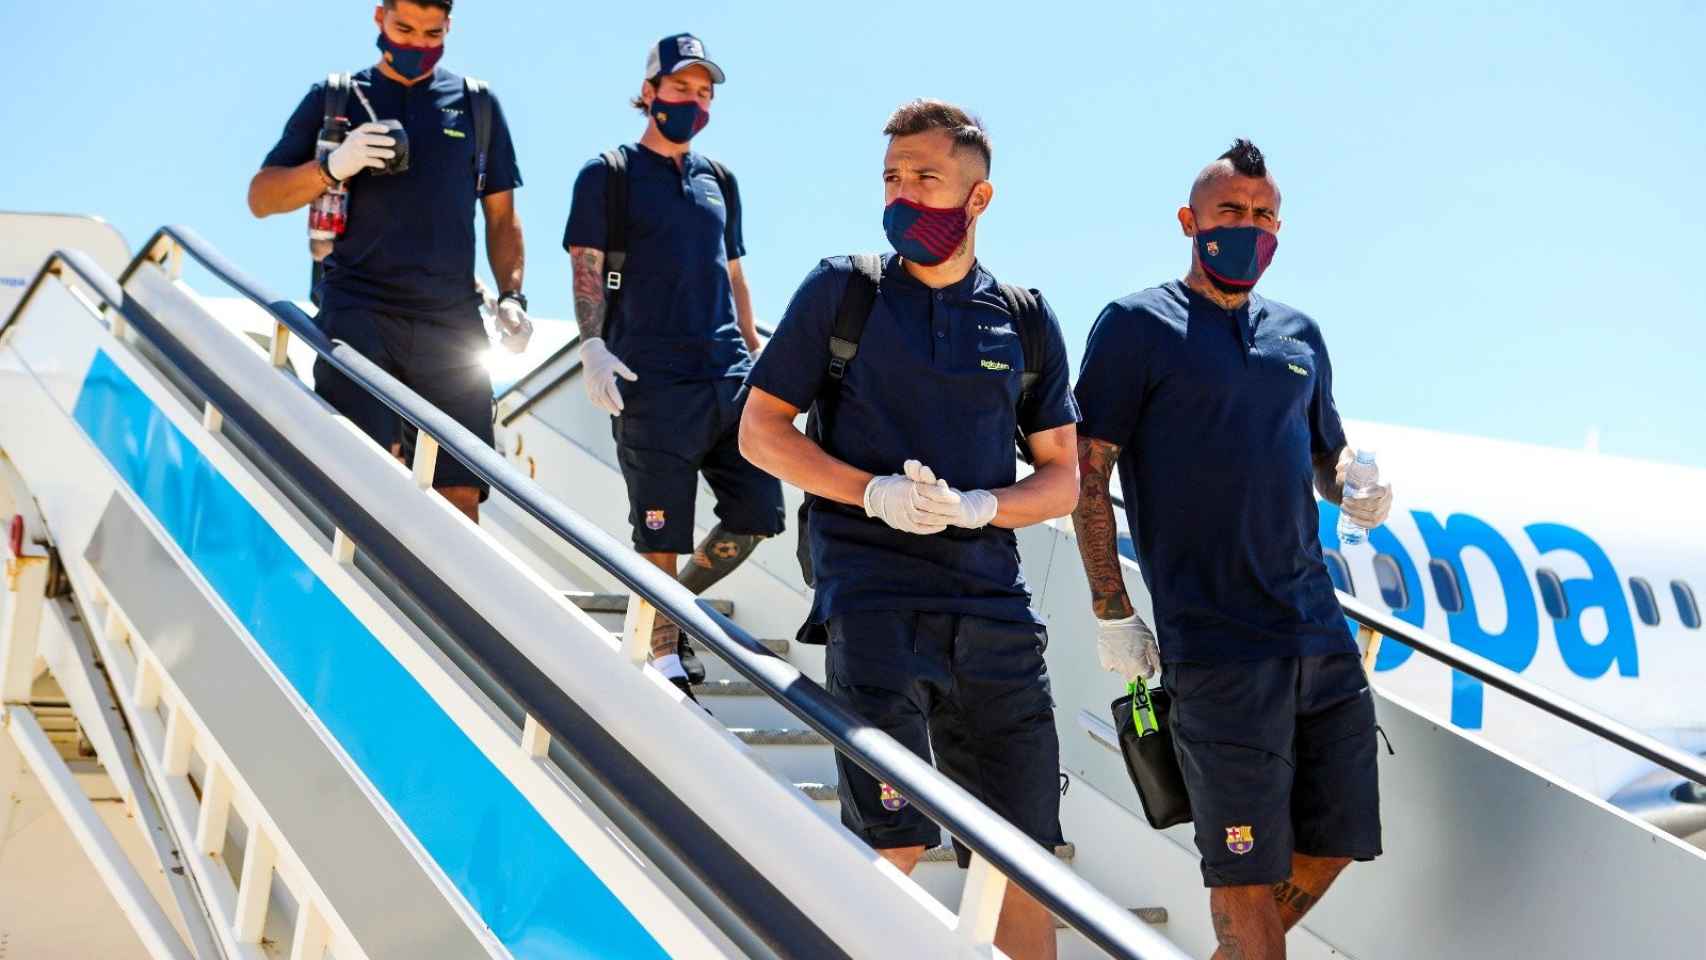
515	295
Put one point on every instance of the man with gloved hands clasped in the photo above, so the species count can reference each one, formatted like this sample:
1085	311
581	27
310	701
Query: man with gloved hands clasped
919	368
424	147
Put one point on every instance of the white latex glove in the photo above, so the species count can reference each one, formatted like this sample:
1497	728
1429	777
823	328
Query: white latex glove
1368	511
895	501
513	326
1127	647
602	368
960	508
366	147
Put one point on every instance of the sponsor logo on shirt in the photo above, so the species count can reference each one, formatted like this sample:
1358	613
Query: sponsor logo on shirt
1294	368
995	365
454	133
1240	840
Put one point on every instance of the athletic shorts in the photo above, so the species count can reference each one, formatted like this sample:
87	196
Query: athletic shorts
666	436
974	691
438	358
1278	755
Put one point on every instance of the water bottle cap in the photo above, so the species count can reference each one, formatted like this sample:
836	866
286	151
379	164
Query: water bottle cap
1365	456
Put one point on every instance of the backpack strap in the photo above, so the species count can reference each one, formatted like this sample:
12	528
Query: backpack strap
725	183
480	104
856	302
1026	305
337	97
615	223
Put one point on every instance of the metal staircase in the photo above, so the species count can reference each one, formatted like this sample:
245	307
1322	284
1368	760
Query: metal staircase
333	719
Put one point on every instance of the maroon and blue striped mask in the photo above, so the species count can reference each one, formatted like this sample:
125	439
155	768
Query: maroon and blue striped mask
925	235
1235	257
679	120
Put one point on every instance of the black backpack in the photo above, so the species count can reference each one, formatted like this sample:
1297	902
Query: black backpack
479	103
616	219
850	317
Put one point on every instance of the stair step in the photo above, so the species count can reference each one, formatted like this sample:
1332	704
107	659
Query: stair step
1149	915
618	603
779	737
945	854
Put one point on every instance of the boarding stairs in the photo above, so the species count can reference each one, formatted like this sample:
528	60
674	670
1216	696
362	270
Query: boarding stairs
288	703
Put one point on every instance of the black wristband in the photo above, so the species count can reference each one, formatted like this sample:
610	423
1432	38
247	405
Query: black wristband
515	295
326	171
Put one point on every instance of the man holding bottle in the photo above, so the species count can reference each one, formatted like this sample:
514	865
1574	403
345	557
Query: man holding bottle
1217	405
399	283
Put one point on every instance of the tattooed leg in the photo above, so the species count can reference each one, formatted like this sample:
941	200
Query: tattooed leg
716	557
1246	923
1310	878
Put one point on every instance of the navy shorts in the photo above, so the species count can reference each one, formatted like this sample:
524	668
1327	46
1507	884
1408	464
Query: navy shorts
668	434
1278	755
440	359
974	690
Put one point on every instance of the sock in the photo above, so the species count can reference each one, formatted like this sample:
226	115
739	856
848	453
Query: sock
669	666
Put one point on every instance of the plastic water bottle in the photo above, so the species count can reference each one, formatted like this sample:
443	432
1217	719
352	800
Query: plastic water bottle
1361	477
327	214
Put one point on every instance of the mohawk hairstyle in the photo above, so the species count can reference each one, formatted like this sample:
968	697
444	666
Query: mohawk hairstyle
923	114
1246	158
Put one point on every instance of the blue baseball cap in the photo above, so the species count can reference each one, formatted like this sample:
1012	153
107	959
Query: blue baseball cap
677	53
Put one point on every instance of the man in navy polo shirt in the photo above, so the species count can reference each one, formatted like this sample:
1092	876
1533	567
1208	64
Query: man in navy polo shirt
915	498
399	284
1217	405
668	334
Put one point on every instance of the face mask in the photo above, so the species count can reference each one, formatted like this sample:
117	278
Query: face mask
411	62
925	235
1234	257
679	120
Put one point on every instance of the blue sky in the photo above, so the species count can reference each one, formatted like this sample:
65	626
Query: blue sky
1487	207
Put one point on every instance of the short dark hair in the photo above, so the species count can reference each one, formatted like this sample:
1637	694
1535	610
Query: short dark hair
1246	158
444	5
925	114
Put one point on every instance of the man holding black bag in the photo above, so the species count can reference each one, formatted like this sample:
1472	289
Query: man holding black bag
1217	406
398	285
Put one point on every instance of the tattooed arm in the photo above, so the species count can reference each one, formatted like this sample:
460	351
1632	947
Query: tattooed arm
1098	536
588	264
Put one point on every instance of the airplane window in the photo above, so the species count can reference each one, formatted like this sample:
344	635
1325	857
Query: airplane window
1686	608
1646	604
1391	582
1340	571
1552	593
1445	585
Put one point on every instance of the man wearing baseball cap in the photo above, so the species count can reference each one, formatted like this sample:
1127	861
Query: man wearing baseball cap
668	335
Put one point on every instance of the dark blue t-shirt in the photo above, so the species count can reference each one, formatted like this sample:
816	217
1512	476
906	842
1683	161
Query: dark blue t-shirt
409	245
674	320
937	379
1219	415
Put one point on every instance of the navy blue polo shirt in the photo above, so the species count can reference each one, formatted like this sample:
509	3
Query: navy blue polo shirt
409	244
674	320
937	379
1219	415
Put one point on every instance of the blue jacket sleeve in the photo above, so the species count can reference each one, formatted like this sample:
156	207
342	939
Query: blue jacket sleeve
586	226
1113	377
296	144
795	362
1051	403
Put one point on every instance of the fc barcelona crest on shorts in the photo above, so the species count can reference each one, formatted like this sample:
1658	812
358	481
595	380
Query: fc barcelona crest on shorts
892	800
1240	840
654	519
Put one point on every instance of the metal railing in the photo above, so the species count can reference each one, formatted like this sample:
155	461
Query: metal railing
995	843
1374	627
